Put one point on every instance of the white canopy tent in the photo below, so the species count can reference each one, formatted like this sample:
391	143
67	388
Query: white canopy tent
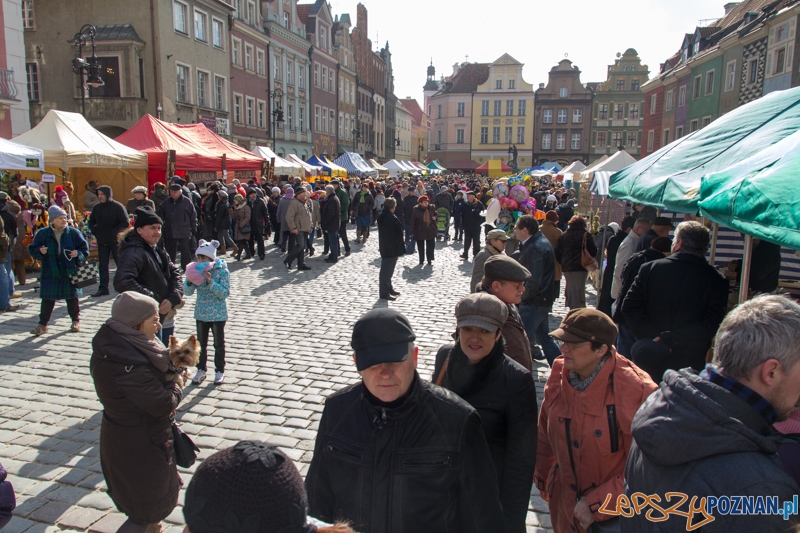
568	172
282	166
615	163
395	168
310	170
585	173
14	156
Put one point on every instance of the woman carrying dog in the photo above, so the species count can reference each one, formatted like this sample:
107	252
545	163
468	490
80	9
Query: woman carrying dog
136	384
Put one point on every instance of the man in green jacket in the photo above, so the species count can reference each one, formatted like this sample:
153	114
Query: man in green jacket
344	200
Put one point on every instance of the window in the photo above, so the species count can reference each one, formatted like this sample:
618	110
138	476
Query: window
237	108
561	141
484	135
289	116
576	142
276	67
316	118
616	139
439	111
251	12
577	115
695	48
601	138
650	138
260	62
620	85
290	72
316	75
237	4
460	109
498	83
32	70
634	85
301	79
202	89
633	111
508	133
498	107
512	84
179	16
460	136
496	135
619	109
324	115
706	122
285	19
682	96
324	78
521	111
509	108
331	84
219	93
547	116
563	92
696	88
633	139
332	123
653	104
248	57
27	18
547	139
668	100
261	107
182	72
562	116
521	135
200	21
693	126
301	118
752	75
666	138
484	108
250	104
236	54
109	69
323	39
679	132
602	112
218	32
780	60
709	82
731	77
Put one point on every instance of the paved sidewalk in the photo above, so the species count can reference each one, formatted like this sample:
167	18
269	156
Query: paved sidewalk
288	348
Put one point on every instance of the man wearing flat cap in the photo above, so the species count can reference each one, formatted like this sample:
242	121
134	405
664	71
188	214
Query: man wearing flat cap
396	454
180	222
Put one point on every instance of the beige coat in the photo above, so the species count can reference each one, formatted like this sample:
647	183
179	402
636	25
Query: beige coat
298	217
551	231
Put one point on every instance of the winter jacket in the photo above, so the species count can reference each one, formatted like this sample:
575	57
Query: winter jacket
629	273
314	212
241	215
90	200
283	207
536	255
211	296
458	209
471	217
695	437
133	203
148	270
569	249
344	203
19	251
297	217
605	299
592	430
361	208
565	212
504	395
9	223
422	466
390	235
409	203
419	230
643	243
272	208
180	219
681	299
108	218
56	267
158	196
136	447
518	346
222	215
551	231
478	263
331	214
624	252
444	200
259	216
209	208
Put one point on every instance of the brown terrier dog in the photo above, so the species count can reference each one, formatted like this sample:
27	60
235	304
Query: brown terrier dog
183	355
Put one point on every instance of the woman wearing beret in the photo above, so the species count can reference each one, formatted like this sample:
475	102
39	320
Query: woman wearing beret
585	424
139	199
136	384
503	393
423	228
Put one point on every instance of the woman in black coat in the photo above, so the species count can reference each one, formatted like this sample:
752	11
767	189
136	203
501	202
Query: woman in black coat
503	393
423	228
391	246
134	381
568	252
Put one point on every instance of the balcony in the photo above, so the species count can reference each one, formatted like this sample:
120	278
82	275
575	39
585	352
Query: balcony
8	90
119	111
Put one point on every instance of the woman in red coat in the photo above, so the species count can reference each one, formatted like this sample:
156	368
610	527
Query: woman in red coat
423	228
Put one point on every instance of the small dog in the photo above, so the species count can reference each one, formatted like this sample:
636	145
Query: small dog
183	355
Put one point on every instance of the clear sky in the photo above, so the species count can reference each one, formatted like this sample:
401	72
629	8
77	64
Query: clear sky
535	32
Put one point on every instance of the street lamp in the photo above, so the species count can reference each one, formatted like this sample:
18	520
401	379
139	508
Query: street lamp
421	149
277	115
82	66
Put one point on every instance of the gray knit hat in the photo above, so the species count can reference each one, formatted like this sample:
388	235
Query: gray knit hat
54	212
133	308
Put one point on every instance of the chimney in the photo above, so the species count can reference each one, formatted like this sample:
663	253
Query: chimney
729	6
541	85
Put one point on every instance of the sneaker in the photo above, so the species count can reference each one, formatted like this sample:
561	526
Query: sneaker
39	330
199	377
75	327
219	377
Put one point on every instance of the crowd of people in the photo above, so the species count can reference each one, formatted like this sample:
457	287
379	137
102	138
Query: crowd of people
633	385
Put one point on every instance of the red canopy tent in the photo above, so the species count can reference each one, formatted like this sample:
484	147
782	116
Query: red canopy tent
196	148
493	165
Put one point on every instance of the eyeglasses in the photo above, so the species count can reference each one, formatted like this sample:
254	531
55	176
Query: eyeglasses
570	345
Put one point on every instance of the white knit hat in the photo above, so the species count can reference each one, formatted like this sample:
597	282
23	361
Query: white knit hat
208	249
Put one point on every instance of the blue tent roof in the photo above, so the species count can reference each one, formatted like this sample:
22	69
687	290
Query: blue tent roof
354	164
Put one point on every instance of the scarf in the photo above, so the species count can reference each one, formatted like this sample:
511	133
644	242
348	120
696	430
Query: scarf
426	216
464	378
363	197
57	233
581	385
153	349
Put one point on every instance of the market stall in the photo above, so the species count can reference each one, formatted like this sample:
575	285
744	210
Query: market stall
328	169
310	170
282	166
354	164
494	168
395	168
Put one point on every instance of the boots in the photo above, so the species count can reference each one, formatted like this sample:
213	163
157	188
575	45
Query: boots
222	250
358	235
366	234
235	251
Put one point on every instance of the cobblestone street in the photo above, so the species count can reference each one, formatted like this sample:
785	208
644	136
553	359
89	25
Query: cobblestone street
288	348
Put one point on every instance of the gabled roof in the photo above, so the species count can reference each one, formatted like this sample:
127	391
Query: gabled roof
705	32
468	78
505	59
117	32
303	11
412	106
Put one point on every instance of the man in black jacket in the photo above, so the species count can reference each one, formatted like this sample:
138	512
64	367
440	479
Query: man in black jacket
180	222
331	222
605	300
471	221
679	300
391	246
396	454
409	203
259	218
107	220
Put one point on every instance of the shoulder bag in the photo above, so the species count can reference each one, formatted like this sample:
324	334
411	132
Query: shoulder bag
85	275
587	261
185	449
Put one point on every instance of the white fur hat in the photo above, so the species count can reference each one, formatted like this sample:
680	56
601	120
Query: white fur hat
208	249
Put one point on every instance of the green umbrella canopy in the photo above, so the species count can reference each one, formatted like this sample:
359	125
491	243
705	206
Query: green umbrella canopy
759	196
670	178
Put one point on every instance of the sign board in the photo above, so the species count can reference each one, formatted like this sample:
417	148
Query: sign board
223	126
48	178
32	162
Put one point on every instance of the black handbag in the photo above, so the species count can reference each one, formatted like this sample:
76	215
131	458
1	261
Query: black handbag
185	449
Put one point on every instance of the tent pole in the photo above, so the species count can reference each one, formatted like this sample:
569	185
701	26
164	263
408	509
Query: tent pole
744	285
714	237
603	248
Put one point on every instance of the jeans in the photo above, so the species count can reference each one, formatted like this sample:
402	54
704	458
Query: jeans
297	245
625	340
172	246
385	276
46	311
164	334
535	320
10	272
224	238
104	252
218	330
333	245
5	295
475	239
343	235
421	245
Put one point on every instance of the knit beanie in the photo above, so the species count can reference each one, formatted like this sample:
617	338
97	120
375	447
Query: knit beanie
253	487
54	212
276	190
145	216
208	249
133	308
289	193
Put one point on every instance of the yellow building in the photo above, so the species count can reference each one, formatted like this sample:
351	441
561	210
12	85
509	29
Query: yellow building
502	115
